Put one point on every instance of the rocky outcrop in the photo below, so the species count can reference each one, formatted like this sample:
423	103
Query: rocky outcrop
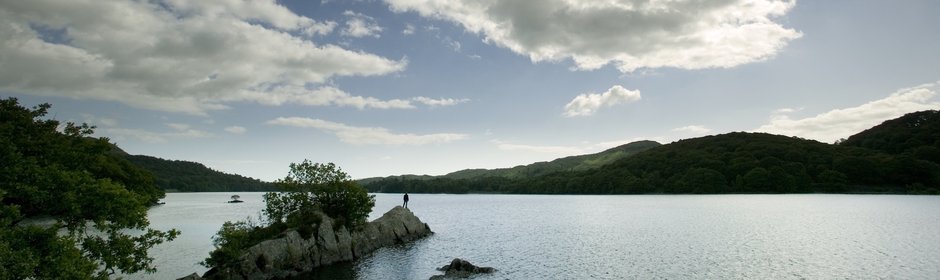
292	254
461	269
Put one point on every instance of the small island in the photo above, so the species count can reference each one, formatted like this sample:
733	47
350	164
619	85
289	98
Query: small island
319	220
235	199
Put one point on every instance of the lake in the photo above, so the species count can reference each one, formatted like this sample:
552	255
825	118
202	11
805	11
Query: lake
615	237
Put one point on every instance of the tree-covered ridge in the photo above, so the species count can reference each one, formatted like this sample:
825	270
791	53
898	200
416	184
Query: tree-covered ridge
899	156
915	134
756	163
572	163
95	202
501	180
488	180
187	176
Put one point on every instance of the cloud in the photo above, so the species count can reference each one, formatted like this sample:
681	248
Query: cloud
236	129
842	123
695	129
360	25
325	96
629	34
367	135
409	29
439	102
452	44
561	151
175	56
178	131
587	104
556	150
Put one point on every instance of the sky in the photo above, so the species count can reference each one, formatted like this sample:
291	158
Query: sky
390	87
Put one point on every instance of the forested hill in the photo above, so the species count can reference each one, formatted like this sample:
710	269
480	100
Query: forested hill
187	176
492	180
749	163
899	156
572	163
915	134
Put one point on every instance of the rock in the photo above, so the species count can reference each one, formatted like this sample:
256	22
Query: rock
292	255
459	268
193	276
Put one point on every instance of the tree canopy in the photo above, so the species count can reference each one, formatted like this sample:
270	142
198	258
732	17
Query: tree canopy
736	163
187	176
309	190
67	203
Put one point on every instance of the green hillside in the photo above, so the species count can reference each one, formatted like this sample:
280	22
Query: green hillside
572	163
187	176
748	163
496	180
898	156
915	134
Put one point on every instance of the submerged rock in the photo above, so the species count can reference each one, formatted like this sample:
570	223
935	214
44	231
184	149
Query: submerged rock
292	254
459	268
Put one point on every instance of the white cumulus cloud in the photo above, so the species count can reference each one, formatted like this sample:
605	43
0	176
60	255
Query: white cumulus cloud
177	131
842	123
367	135
696	129
439	102
587	104
174	55
630	34
360	25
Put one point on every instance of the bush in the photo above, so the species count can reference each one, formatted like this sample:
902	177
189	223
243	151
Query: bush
324	187
310	189
59	172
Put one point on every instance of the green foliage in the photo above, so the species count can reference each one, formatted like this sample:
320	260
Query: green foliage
186	176
91	197
311	190
496	180
904	135
728	163
327	188
234	237
572	163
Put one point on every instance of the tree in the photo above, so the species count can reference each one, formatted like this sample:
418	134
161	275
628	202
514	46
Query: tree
324	187
92	197
309	190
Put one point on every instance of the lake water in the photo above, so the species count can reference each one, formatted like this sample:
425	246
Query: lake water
616	237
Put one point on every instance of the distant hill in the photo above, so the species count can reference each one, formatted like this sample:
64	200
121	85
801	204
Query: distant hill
916	134
899	156
187	176
572	163
493	180
749	163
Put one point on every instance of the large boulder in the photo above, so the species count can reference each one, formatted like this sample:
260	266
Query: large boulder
459	268
291	254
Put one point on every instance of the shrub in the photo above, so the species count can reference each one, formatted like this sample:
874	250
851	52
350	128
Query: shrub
324	187
310	189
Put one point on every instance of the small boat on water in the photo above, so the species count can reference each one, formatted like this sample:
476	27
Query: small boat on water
235	199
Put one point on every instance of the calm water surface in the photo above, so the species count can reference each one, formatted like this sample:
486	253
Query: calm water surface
616	237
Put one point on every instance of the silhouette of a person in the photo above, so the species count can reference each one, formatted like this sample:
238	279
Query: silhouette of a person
406	201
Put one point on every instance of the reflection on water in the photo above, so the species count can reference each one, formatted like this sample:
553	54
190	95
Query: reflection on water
615	237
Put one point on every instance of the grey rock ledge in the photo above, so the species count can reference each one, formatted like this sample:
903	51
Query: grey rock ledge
291	254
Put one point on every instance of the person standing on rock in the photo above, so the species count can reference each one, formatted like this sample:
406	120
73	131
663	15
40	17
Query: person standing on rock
406	201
